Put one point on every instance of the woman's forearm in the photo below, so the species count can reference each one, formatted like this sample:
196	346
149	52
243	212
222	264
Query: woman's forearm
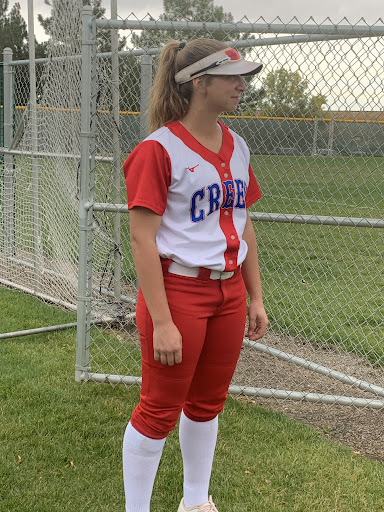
144	226
150	275
250	266
257	317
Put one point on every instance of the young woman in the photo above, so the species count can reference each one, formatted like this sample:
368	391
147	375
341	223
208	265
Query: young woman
189	185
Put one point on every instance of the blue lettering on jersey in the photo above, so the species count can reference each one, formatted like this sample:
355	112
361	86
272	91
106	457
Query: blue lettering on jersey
214	197
241	190
201	215
228	192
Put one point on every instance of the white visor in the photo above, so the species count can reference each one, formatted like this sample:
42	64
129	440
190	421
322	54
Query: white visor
223	62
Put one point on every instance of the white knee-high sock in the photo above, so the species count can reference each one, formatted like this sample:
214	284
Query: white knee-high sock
141	457
197	443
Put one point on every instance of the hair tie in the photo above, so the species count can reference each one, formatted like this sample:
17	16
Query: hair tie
181	46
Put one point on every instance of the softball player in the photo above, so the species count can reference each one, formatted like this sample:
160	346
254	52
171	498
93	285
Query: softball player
189	185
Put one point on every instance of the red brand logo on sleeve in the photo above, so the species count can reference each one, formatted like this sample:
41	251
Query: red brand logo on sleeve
192	169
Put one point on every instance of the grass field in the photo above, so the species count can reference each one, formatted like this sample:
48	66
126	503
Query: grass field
324	283
335	186
60	441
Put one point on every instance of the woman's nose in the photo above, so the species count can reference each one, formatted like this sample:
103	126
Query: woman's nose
241	85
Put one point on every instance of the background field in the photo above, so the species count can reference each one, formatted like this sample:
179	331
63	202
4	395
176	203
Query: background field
337	186
323	283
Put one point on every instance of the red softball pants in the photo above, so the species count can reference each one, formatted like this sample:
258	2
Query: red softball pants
210	315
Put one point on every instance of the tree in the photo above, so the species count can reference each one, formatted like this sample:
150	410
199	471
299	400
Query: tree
250	102
63	27
58	12
286	95
186	10
13	31
14	34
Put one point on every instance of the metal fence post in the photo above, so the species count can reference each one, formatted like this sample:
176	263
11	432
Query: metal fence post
9	165
35	163
1	108
145	88
331	138
315	135
116	153
85	219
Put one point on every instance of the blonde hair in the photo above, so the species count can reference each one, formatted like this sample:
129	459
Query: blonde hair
168	100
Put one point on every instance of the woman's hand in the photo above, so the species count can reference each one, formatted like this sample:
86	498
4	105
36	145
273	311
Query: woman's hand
167	344
257	320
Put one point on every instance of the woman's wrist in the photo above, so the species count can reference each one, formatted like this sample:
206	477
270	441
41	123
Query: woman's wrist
256	299
162	321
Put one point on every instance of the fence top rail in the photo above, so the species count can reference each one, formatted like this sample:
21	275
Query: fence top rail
259	28
243	43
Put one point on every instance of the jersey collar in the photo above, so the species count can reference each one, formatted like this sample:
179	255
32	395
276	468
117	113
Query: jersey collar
226	150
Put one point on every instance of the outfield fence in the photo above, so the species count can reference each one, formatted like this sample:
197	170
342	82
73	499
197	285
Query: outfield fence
292	135
319	225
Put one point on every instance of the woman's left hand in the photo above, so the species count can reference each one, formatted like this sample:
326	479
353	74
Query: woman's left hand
257	320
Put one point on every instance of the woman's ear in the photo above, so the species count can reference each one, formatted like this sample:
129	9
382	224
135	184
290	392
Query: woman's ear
200	87
199	84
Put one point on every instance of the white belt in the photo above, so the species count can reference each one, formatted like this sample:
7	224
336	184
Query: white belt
182	270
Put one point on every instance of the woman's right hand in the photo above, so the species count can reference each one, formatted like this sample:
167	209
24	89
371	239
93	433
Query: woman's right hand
167	344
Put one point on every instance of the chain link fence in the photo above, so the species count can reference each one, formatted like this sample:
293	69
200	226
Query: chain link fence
1	106
319	223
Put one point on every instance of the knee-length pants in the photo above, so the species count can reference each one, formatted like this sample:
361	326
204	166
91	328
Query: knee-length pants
210	315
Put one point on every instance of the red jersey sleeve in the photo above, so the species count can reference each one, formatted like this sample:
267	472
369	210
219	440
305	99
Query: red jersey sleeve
147	172
253	192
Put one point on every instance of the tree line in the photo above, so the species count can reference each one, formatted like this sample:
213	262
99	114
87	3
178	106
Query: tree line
281	93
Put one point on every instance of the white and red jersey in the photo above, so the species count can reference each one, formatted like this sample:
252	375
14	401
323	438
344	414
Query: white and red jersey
201	196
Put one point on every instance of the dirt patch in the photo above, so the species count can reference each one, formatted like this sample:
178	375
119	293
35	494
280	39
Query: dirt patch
359	428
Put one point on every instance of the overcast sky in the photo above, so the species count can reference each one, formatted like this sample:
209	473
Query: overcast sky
336	10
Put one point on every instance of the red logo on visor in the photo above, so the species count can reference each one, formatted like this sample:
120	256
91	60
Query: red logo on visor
232	54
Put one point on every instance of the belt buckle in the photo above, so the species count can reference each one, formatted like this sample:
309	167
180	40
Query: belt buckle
221	276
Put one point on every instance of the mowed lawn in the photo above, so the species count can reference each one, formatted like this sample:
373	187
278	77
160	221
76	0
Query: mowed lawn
60	441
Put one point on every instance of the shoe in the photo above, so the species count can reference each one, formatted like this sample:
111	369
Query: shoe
209	506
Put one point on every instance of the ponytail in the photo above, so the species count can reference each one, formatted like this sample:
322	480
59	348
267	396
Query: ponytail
168	100
166	103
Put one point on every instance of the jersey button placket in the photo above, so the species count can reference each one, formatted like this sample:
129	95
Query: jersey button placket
225	174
